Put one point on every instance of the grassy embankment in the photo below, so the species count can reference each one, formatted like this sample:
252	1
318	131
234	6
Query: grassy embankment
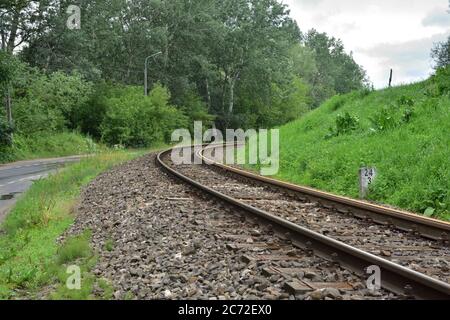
48	146
404	132
30	258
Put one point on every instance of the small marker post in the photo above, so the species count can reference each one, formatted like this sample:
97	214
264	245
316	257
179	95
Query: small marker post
366	178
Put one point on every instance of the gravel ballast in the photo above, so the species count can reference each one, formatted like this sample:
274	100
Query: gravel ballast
168	241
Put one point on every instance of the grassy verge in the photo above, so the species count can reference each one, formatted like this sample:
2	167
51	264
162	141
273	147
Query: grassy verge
30	258
48	145
402	131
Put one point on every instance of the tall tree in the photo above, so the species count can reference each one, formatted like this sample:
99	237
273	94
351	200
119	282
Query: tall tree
253	37
8	70
441	54
337	71
21	20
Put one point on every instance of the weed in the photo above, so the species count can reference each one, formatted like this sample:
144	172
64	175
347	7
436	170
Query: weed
383	120
74	248
344	124
109	245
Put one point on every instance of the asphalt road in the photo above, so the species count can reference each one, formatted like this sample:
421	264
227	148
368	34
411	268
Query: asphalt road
17	177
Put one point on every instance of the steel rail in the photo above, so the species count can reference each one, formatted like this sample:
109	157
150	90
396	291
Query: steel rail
395	278
406	221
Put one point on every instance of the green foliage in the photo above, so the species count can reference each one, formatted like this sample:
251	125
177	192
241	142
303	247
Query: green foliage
228	55
47	145
74	248
337	102
289	102
440	82
411	157
383	120
5	132
135	120
196	110
50	103
344	124
109	245
9	68
441	54
337	72
30	257
405	101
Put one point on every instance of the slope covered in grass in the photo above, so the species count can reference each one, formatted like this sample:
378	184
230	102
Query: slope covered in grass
404	132
47	145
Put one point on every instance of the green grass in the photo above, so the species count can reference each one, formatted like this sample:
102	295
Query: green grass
30	257
48	145
404	132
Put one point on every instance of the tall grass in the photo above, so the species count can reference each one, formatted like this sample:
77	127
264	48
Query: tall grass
46	145
29	254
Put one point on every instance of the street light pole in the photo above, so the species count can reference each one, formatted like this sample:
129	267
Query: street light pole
145	72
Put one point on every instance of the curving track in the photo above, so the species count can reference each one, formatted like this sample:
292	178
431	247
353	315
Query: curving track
412	252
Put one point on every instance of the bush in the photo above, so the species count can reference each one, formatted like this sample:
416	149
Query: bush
345	123
405	101
442	80
196	110
383	120
60	94
32	116
134	120
46	145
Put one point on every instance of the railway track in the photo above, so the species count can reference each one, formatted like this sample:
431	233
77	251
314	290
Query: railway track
412	252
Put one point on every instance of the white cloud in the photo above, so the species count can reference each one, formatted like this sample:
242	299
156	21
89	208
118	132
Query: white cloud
381	33
437	18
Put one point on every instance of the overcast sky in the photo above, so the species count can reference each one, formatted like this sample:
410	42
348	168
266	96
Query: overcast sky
381	33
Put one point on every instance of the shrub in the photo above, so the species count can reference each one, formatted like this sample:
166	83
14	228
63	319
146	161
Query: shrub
61	93
439	83
442	80
32	116
405	101
134	120
345	123
383	120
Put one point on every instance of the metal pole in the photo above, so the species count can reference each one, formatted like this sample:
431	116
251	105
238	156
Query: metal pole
146	72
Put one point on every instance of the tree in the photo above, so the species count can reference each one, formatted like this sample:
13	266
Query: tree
441	54
337	71
252	41
21	20
233	56
8	71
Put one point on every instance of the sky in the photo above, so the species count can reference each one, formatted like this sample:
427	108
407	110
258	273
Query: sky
382	34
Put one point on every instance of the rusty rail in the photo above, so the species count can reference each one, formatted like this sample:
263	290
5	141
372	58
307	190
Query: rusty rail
395	278
406	221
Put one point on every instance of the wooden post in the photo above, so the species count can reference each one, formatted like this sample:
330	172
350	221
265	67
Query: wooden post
390	79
